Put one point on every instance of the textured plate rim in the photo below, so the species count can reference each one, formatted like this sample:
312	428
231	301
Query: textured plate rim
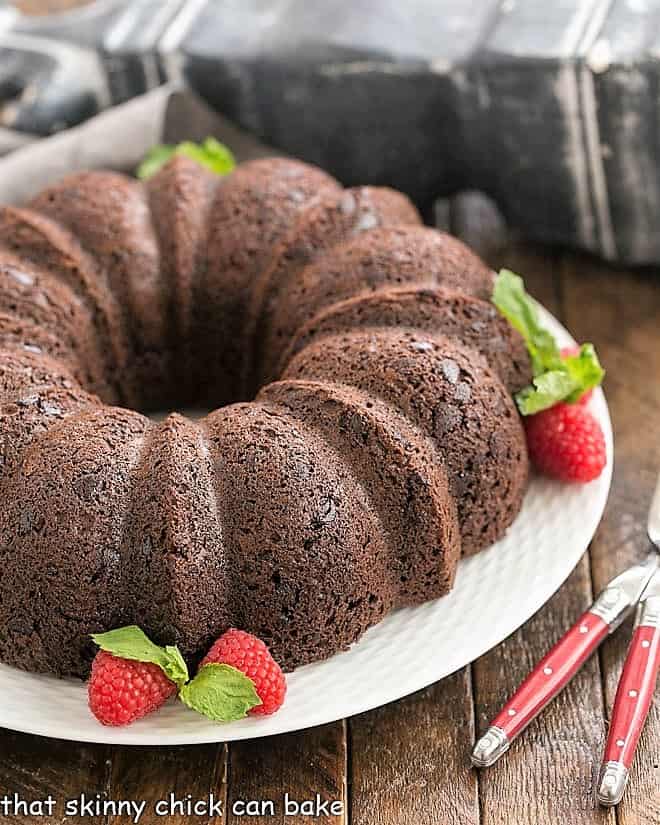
325	713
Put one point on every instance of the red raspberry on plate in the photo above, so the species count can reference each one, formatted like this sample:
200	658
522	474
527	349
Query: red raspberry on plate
251	656
122	690
575	350
566	442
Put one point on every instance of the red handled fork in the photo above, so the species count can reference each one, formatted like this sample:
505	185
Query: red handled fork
638	587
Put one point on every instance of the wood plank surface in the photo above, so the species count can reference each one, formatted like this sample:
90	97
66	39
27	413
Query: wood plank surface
35	768
170	780
410	759
549	774
301	764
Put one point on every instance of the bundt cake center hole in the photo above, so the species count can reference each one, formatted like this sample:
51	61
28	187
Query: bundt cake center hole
193	400
195	413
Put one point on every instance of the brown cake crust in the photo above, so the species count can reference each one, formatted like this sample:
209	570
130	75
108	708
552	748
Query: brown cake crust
173	544
334	219
254	209
385	445
44	244
69	494
42	299
474	323
180	198
109	215
24	374
450	393
401	472
385	257
16	333
301	533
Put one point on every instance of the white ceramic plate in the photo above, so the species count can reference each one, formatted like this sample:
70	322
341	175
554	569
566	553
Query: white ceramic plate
496	591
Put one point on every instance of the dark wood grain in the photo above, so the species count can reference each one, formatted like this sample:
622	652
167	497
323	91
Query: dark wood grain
620	312
196	774
301	764
410	759
34	768
549	774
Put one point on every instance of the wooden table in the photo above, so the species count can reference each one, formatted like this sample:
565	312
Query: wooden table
408	762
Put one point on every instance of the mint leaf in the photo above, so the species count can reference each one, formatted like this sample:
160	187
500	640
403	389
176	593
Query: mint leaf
557	377
585	370
133	643
220	692
155	159
211	153
174	667
545	391
576	374
520	309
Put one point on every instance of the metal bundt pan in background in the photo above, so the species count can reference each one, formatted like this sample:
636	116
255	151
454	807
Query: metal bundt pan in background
549	108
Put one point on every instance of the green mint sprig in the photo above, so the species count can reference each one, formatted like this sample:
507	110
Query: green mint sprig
218	691
557	377
210	153
221	693
132	643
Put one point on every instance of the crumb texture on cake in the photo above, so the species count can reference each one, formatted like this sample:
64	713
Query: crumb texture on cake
363	436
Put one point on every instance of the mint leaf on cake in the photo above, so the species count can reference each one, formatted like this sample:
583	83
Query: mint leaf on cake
211	153
558	375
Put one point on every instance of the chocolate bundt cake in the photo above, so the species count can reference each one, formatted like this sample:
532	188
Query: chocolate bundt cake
363	435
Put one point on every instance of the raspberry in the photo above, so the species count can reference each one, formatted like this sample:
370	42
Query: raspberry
121	690
251	656
575	350
566	442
